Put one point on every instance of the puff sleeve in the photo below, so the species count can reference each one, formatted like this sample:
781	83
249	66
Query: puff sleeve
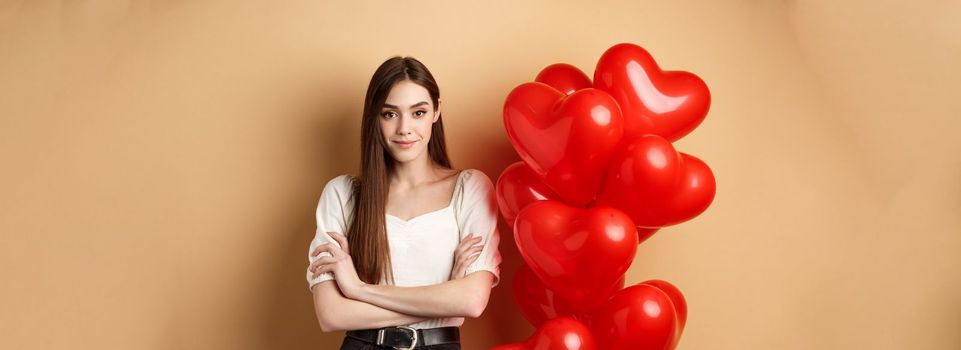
477	214
332	212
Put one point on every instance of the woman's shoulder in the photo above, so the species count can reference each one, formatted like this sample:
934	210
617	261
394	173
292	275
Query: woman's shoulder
474	183
476	199
339	185
340	180
474	177
343	179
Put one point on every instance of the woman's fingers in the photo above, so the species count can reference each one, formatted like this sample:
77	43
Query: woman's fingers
464	243
463	255
341	239
472	258
467	242
323	247
477	247
330	248
461	269
472	252
322	261
322	269
467	251
324	264
475	250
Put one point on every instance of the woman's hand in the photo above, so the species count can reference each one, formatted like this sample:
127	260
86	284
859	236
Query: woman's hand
339	263
467	251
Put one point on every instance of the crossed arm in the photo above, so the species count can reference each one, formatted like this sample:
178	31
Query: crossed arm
335	312
348	303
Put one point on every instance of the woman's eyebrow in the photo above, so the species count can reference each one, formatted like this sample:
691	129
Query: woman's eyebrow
421	103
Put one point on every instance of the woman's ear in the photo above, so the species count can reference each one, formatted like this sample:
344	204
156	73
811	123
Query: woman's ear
436	112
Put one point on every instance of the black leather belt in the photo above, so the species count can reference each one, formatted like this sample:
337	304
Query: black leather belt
403	337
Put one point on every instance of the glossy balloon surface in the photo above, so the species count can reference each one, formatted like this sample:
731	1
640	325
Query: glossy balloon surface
666	103
577	253
566	140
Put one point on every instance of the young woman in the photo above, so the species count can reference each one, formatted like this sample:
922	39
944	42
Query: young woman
409	248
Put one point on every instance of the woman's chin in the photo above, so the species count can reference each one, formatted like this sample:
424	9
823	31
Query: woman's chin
404	155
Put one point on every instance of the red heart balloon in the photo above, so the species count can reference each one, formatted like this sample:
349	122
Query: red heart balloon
539	303
656	185
517	187
564	77
577	253
639	317
566	140
666	103
558	334
677	300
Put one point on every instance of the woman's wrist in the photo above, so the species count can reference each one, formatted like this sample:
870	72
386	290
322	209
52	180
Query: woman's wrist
357	292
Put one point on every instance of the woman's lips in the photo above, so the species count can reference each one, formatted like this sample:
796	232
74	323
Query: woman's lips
405	144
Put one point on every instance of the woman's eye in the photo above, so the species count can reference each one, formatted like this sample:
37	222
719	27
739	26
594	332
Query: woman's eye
388	114
420	113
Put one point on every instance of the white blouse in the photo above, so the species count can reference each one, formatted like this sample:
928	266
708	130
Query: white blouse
421	248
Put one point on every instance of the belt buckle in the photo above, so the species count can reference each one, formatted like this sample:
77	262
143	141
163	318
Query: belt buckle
413	332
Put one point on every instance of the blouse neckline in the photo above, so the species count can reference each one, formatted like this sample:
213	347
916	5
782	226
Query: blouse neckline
457	184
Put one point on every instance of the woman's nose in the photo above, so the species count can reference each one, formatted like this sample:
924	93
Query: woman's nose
404	125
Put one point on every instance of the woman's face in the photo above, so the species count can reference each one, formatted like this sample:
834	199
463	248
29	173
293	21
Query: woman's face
406	120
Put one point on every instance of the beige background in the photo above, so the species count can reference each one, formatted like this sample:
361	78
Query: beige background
161	161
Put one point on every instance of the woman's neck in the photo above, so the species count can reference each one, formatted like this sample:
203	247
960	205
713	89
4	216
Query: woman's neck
414	173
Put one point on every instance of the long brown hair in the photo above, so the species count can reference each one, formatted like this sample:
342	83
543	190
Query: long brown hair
367	232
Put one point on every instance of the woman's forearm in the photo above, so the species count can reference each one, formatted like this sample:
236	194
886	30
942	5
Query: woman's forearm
337	313
464	297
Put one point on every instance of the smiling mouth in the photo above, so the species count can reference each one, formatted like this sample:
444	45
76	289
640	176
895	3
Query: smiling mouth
405	144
